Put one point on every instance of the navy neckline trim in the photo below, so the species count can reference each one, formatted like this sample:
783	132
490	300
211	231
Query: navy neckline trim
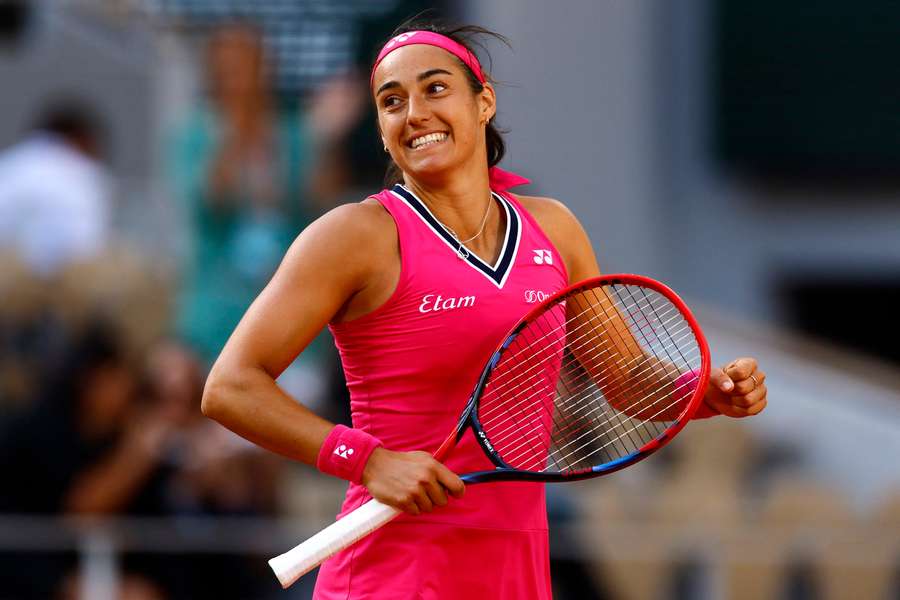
500	270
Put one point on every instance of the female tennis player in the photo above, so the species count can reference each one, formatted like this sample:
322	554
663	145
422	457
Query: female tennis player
417	284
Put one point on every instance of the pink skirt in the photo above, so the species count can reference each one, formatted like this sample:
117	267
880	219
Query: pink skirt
423	559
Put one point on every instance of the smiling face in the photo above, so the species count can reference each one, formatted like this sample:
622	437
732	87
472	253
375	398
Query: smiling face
431	120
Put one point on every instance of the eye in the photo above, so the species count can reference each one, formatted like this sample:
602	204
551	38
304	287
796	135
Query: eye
390	101
436	87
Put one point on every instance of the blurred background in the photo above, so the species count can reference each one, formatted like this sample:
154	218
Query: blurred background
158	156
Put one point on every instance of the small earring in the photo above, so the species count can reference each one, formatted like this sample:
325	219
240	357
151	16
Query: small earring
385	149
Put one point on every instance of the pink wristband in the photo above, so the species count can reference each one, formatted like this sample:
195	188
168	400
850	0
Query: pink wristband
689	380
705	411
345	451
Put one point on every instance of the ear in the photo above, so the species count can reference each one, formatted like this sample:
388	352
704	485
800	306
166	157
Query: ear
487	102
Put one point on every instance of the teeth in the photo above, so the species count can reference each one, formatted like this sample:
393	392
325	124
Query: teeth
427	139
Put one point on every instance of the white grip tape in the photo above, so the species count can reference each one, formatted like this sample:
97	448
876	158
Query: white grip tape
305	557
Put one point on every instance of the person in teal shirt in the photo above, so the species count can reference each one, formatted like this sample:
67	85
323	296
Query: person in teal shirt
251	178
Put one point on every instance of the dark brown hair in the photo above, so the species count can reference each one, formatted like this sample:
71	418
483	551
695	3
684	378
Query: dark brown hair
467	35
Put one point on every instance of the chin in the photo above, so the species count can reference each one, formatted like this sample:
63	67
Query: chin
429	167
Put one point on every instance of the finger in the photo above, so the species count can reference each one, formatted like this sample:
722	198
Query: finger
423	502
735	412
743	387
451	481
741	368
408	507
757	408
740	412
750	398
720	380
436	493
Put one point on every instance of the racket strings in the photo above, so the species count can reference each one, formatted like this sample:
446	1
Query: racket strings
563	370
572	427
579	401
561	327
680	349
524	400
612	419
536	367
651	418
663	390
518	379
561	432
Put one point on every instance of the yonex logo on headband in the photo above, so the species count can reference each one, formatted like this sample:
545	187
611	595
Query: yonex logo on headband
400	38
432	39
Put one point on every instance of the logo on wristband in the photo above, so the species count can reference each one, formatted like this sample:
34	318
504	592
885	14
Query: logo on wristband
343	451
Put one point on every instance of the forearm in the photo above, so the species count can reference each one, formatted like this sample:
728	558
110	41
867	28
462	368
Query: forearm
249	402
651	390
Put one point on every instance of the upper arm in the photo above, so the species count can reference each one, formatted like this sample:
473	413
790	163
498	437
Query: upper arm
323	269
567	235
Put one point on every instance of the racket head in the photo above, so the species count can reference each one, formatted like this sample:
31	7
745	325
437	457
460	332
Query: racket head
592	380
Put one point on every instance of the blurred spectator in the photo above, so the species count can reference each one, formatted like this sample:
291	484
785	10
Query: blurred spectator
97	441
74	452
215	471
310	41
130	587
248	174
210	471
73	437
41	315
54	191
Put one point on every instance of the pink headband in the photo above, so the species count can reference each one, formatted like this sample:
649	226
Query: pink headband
430	38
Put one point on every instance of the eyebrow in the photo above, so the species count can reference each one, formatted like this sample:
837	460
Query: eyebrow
420	77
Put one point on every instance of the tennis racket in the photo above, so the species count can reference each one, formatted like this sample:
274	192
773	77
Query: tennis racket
594	379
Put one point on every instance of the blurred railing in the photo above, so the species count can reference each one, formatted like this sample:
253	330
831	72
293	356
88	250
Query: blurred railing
632	559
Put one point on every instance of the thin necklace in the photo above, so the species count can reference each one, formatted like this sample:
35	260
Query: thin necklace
461	251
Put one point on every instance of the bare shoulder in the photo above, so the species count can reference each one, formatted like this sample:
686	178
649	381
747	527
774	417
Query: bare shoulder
352	238
358	226
553	216
565	231
367	217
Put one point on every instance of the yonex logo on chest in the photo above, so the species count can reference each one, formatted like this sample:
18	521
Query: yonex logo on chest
436	303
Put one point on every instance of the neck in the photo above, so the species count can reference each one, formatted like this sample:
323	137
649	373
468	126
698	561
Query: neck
458	199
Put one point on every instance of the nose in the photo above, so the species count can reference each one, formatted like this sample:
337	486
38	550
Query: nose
418	111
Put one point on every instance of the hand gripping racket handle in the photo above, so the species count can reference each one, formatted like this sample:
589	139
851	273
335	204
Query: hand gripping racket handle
302	559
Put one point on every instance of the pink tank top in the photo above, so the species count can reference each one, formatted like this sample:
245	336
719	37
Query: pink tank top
410	366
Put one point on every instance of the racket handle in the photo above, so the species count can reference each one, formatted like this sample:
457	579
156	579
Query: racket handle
305	557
